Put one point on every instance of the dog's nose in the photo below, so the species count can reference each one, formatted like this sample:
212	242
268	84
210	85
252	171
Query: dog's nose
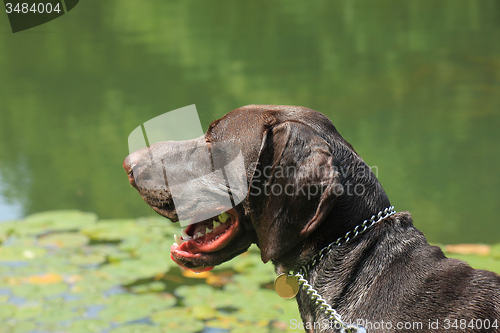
128	165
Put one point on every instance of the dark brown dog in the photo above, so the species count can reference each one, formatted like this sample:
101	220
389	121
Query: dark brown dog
387	279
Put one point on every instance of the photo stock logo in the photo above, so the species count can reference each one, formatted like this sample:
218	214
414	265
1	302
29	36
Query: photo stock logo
175	164
27	14
208	178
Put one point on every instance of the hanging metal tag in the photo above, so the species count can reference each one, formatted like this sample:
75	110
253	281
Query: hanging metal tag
286	286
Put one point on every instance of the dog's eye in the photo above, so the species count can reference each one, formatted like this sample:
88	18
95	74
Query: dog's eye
212	125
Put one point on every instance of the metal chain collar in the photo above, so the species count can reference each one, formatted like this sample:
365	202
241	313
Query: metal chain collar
304	270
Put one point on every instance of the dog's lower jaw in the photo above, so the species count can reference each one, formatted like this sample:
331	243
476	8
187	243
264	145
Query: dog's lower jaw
294	259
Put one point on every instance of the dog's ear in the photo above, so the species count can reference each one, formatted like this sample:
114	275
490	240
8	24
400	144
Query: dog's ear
293	187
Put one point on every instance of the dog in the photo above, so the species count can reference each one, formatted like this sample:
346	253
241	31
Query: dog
386	279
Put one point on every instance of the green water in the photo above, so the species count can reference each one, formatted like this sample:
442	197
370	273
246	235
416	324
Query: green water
413	85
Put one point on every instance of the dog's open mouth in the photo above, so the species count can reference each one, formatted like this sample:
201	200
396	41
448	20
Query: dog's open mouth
199	240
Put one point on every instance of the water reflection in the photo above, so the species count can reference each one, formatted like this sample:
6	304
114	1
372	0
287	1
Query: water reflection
414	86
10	209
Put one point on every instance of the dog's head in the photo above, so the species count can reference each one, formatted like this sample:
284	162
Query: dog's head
297	168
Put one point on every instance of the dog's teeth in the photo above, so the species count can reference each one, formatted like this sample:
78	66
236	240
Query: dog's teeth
208	231
184	235
223	217
177	240
216	224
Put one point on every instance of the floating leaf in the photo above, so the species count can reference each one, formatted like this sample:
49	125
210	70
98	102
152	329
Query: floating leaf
250	330
95	282
17	253
7	311
159	248
220	279
88	326
89	259
22	327
28	311
159	316
47	278
203	311
177	320
123	308
55	313
159	225
149	287
7	228
64	240
55	221
131	244
136	328
196	295
26	241
35	292
243	285
129	271
264	306
113	230
224	321
127	252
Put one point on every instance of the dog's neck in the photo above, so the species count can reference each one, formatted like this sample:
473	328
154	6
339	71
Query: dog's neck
309	248
348	212
340	278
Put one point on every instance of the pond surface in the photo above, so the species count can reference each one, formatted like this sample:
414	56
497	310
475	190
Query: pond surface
414	86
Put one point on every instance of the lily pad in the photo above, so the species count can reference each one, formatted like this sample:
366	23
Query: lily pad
28	311
196	295
88	326
224	322
22	327
203	311
94	282
137	328
178	320
36	292
159	248
55	221
128	271
64	240
18	253
113	230
56	314
264	306
159	225
149	287
123	308
44	279
7	311
250	330
89	259
7	228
